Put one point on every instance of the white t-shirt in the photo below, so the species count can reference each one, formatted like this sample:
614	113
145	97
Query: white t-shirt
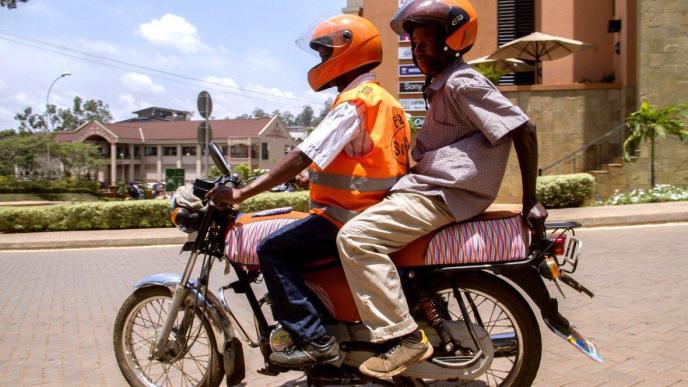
342	129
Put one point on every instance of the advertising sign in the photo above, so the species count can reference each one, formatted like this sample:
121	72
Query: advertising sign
411	87
409	71
405	53
418	121
413	104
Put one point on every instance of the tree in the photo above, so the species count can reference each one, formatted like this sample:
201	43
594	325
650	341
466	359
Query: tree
10	3
64	119
25	150
260	113
648	124
305	118
77	158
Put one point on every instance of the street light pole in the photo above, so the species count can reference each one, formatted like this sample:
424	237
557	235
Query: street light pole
48	123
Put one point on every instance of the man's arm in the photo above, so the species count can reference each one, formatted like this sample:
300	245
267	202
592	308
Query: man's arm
289	166
525	142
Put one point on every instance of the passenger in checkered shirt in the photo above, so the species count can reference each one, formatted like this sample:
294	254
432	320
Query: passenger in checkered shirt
461	156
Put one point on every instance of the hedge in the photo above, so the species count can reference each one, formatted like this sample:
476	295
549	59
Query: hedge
559	191
553	191
87	216
9	184
122	214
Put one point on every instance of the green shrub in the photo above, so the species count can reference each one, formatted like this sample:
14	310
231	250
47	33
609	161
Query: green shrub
68	185
660	193
559	191
87	216
297	200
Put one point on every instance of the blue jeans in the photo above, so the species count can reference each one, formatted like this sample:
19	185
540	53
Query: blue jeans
281	256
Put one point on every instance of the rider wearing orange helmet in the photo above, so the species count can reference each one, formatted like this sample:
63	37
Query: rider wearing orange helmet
356	154
461	154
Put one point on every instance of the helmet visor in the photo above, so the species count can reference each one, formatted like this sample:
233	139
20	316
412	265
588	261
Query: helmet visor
419	12
323	37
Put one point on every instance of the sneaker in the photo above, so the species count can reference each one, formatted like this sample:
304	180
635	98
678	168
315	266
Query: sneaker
318	351
396	360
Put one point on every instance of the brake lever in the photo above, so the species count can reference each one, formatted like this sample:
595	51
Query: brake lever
575	285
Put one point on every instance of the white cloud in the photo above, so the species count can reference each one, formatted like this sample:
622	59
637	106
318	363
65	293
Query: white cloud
99	47
165	60
3	85
5	115
21	97
127	103
222	81
172	30
141	83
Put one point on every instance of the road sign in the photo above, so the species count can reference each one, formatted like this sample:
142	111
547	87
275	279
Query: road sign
174	178
205	133
411	87
409	71
205	104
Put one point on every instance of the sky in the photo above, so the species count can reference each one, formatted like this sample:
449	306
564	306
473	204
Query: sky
159	53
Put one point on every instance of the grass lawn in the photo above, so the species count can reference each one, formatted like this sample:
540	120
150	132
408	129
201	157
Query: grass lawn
57	197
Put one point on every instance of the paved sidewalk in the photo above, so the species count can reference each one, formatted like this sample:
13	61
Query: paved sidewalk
632	214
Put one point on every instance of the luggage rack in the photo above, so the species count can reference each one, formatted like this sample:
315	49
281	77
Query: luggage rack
567	262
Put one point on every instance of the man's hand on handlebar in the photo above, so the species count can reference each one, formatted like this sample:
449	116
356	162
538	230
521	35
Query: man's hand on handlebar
535	217
224	196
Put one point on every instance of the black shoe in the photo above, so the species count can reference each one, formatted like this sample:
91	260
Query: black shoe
310	354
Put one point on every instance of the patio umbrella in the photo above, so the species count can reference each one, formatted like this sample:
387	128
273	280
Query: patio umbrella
507	66
538	47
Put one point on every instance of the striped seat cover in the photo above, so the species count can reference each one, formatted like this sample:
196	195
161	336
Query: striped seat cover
484	241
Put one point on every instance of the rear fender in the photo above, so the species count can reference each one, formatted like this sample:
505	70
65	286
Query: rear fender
528	278
214	312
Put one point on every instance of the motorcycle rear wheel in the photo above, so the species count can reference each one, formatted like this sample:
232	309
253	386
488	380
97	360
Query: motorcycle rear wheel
136	329
504	313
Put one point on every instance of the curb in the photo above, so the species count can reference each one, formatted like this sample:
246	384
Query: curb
94	243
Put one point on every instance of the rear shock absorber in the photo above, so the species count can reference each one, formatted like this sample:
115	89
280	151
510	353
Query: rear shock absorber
430	307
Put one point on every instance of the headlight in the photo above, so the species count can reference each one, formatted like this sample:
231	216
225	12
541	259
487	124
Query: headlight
185	220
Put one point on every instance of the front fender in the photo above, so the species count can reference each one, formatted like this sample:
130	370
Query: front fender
213	311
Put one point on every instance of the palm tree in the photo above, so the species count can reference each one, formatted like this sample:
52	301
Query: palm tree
650	123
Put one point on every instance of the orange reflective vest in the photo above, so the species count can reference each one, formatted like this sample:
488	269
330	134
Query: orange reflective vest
349	185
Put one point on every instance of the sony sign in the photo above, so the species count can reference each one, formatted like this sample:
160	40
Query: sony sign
410	87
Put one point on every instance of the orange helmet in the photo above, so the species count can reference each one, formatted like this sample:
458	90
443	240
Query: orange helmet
345	43
457	19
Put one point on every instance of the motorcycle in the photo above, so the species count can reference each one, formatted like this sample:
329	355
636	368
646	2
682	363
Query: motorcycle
173	330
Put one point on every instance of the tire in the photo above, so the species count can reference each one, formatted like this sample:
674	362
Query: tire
130	354
485	287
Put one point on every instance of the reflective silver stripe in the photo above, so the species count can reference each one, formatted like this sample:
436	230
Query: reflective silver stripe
338	213
353	183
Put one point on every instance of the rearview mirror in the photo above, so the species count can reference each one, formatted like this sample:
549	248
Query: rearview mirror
219	159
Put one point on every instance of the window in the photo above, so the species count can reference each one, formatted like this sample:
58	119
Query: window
239	151
150	151
264	155
225	150
189	151
515	19
122	152
169	151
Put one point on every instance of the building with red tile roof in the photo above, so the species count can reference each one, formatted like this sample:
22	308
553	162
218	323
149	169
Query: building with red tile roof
141	150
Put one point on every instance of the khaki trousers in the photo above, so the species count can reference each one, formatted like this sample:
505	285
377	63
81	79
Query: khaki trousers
364	245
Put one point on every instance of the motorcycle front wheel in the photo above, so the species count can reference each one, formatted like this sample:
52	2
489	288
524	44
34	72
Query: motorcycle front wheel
194	360
505	315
